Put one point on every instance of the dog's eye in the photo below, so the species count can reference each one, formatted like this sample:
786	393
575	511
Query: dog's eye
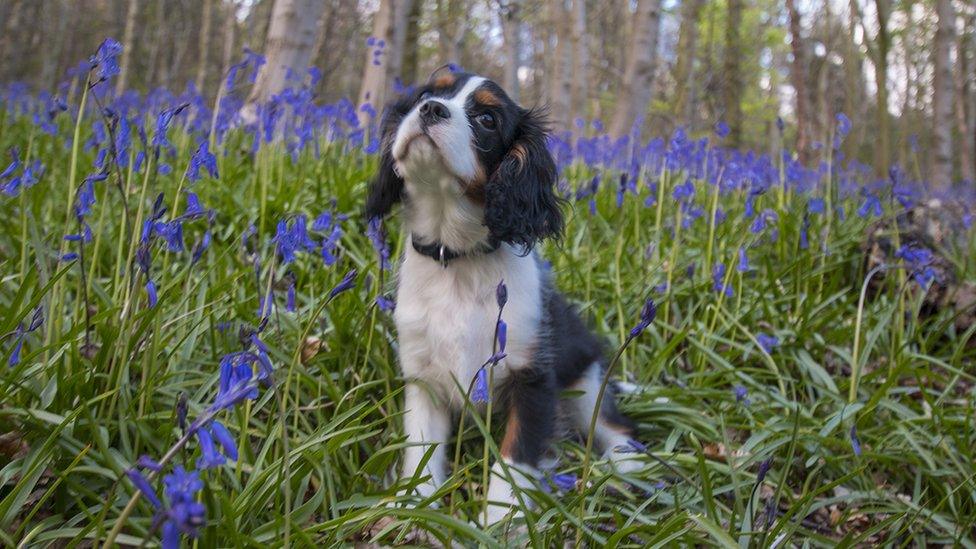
487	120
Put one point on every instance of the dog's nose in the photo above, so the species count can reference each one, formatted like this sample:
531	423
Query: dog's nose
433	112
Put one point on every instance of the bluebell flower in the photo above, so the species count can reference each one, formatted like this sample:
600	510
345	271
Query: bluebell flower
683	191
501	295
14	153
237	382
743	265
816	206
648	312
767	342
919	262
225	439
718	280
564	482
377	238
480	391
347	283
69	256
855	442
185	515
721	129
151	293
105	59
202	158
870	205
123	138
764	468
142	484
85	198
146	462
172	233
193	207
741	395
843	124
386	304
502	330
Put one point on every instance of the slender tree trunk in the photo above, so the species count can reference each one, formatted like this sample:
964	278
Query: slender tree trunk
411	46
230	30
964	67
510	14
732	70
684	66
375	71
291	36
401	16
204	45
560	83
451	25
581	61
968	48
128	42
942	95
638	80
883	44
798	77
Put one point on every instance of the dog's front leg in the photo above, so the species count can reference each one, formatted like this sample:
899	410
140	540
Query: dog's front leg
426	424
528	433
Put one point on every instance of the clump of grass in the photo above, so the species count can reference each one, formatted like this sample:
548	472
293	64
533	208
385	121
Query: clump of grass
779	402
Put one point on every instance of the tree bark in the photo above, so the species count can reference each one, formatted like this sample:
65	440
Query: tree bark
204	45
798	77
883	44
581	61
291	37
733	72
963	89
942	95
411	53
128	42
560	82
451	24
638	80
684	65
230	30
376	69
510	14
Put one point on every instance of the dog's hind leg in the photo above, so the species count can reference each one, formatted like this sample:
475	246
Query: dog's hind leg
613	430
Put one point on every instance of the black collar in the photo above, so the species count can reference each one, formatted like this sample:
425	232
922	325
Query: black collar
444	255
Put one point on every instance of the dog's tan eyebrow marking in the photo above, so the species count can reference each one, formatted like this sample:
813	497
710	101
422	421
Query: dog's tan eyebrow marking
445	81
485	97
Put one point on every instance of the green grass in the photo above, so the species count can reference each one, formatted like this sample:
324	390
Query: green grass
317	450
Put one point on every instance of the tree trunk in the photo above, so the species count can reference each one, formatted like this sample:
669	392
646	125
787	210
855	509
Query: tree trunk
510	14
128	42
581	61
230	28
963	90
968	48
798	77
560	83
451	24
882	152
291	37
684	66
942	95
204	45
638	80
375	71
411	46
401	16
733	72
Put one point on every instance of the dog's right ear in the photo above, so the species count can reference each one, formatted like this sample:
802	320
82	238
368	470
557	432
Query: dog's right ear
386	188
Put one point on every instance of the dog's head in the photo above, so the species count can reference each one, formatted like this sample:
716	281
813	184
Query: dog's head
465	128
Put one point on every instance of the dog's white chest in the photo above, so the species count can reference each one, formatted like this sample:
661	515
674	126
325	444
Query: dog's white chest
445	317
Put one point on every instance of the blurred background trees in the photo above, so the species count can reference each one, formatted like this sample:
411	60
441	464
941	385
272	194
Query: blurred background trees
903	71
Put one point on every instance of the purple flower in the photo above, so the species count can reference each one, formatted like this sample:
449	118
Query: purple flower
105	59
142	484
721	129
855	442
764	468
374	230
718	280
385	303
225	439
502	335
919	262
741	394
648	312
767	342
201	246
870	205
743	265
151	293
843	124
501	295
480	391
209	457
348	282
637	445
202	158
185	514
564	482
146	462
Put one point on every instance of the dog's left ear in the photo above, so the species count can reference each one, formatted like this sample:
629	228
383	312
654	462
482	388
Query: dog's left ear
521	206
386	188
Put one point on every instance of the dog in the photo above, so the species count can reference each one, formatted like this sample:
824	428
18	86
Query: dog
477	184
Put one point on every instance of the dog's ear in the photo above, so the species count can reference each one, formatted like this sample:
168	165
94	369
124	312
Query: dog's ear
521	206
386	188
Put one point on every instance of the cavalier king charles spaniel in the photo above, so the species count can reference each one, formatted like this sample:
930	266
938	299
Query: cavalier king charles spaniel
477	184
